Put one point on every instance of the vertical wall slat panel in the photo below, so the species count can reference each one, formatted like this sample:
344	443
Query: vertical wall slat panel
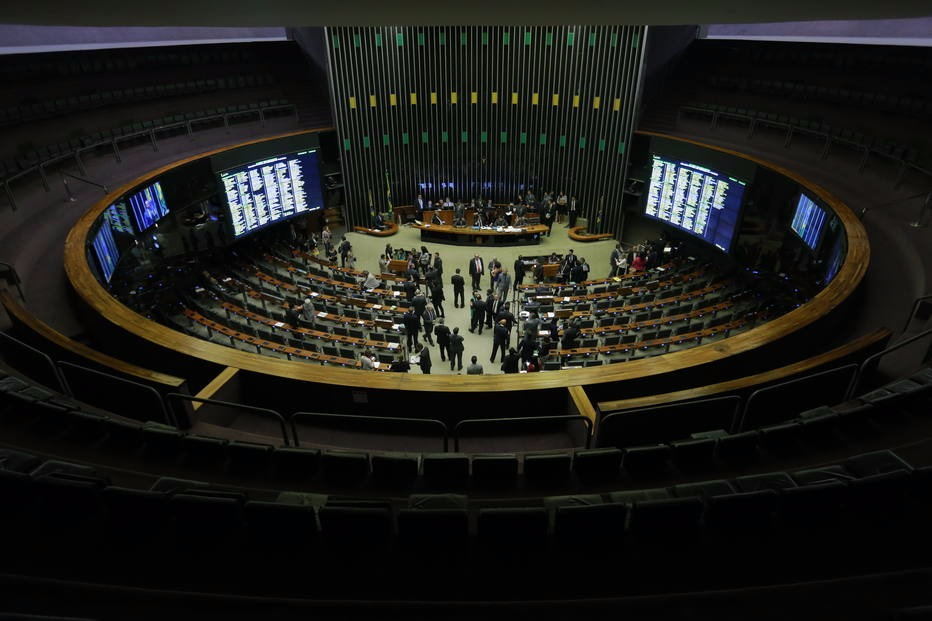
490	169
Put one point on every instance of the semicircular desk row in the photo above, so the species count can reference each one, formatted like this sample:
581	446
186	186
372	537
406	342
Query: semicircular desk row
270	380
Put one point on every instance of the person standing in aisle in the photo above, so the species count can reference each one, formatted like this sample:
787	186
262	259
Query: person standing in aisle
456	350
459	289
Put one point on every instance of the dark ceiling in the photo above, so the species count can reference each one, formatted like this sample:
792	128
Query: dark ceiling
445	12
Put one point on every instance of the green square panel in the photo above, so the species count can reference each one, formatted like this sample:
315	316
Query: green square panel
601	144
424	138
635	41
464	136
357	40
484	137
563	140
346	144
420	38
543	139
365	141
378	39
399	39
443	38
385	140
504	137
506	38
570	39
444	137
621	147
485	38
336	42
523	137
591	39
549	39
464	38
613	41
527	37
582	142
405	138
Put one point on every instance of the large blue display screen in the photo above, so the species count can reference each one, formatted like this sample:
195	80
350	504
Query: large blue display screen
695	199
105	250
272	190
809	221
148	206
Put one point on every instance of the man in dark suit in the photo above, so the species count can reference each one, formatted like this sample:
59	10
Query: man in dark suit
477	312
412	324
491	307
410	288
519	270
442	332
437	297
459	289
456	350
424	359
419	302
510	363
570	334
476	270
499	339
420	204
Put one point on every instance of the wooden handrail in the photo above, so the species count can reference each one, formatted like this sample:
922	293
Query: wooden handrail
37	328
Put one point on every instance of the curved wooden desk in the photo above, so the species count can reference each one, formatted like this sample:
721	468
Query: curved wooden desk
390	229
447	234
578	233
348	389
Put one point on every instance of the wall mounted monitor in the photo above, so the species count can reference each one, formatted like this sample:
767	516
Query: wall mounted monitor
835	258
118	216
809	221
695	199
147	206
105	250
272	190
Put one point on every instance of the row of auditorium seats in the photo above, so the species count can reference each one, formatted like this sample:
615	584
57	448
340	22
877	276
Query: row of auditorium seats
65	106
162	126
109	62
879	145
872	100
752	526
489	462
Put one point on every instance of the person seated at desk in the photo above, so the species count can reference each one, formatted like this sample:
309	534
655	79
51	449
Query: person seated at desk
500	221
378	222
370	281
436	219
447	203
479	221
459	212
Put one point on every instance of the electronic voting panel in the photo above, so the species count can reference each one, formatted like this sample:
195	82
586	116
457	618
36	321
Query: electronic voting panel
695	199
271	190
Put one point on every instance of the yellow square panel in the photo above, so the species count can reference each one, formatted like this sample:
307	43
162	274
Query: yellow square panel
616	105
556	99
596	102
352	103
495	97
514	98
433	97
474	97
413	99
372	101
392	99
453	97
575	101
535	98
